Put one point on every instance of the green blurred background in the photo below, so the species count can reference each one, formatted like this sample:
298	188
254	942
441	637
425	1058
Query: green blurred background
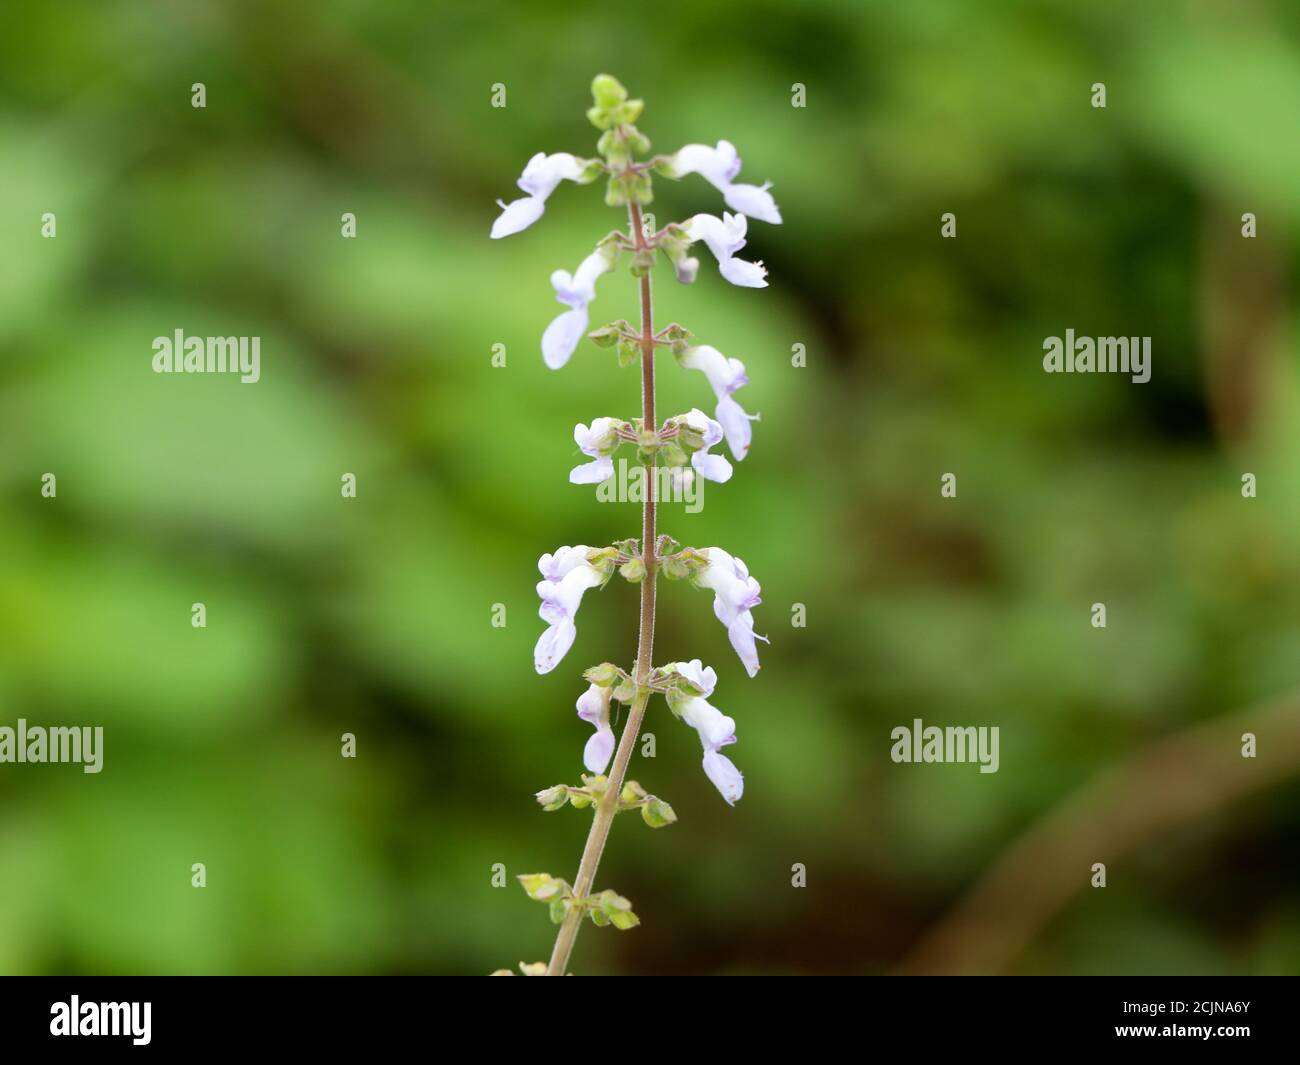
372	615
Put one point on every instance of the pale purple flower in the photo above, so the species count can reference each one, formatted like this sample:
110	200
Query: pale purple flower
539	179
710	467
715	729
725	236
719	167
575	291
560	601
735	593
593	708
725	376
553	567
703	677
598	441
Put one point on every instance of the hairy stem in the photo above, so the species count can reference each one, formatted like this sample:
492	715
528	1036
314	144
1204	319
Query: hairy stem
608	805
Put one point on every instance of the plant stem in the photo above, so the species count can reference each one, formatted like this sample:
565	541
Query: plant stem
608	805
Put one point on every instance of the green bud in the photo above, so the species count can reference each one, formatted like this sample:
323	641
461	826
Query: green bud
674	568
606	675
636	140
657	813
617	909
633	570
607	91
628	352
591	169
643	188
537	968
598	918
559	907
553	798
632	793
673	454
643	262
615	192
606	336
542	886
579	801
626	691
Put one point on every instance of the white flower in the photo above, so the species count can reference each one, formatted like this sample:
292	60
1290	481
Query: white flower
593	708
561	598
725	236
598	441
735	593
715	729
719	166
539	179
725	376
710	467
576	291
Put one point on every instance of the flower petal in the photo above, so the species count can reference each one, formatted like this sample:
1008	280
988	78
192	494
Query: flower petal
599	750
553	645
753	201
561	337
742	273
595	472
517	215
711	467
729	781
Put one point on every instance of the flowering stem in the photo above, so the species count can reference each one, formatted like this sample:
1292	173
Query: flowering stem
608	805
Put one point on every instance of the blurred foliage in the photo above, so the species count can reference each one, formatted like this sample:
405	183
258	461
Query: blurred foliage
373	616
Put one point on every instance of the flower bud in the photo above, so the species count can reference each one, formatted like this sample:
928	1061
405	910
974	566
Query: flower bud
636	140
617	909
675	568
632	792
644	260
607	91
614	148
606	675
542	886
553	798
633	570
642	190
537	968
626	691
628	352
657	813
672	453
615	192
606	336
